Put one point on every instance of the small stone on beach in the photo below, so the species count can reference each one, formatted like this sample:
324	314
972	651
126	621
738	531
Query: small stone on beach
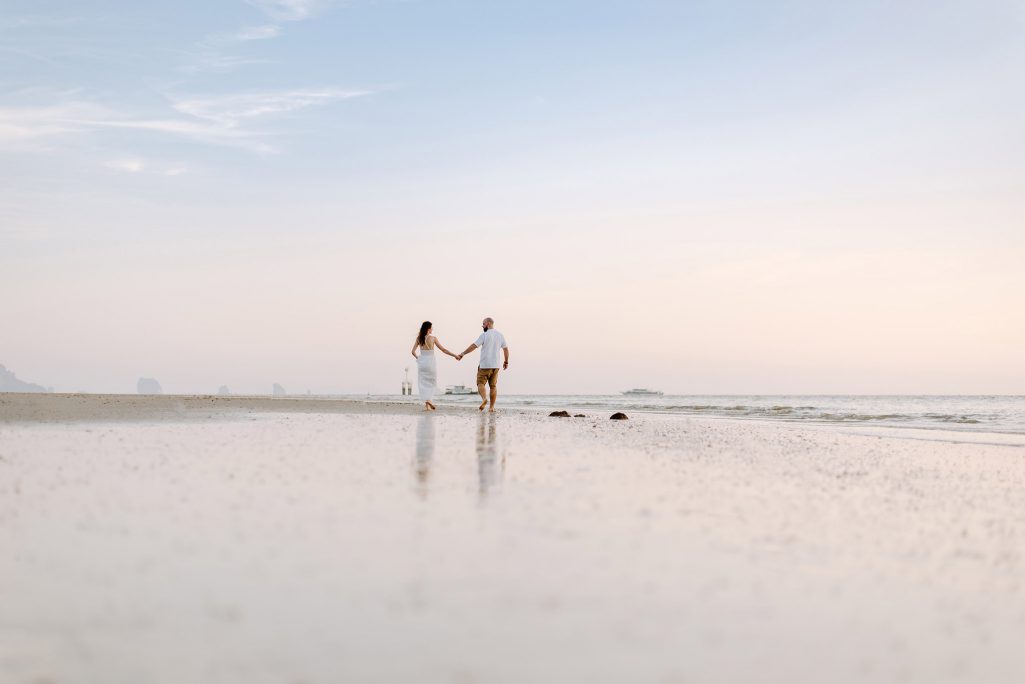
618	416
559	414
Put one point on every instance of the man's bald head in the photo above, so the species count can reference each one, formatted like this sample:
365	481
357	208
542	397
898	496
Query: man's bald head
489	323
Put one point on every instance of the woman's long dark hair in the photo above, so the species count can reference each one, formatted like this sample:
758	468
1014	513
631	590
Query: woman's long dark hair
422	337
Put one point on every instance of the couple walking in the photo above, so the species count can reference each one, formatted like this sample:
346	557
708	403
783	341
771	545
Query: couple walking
492	347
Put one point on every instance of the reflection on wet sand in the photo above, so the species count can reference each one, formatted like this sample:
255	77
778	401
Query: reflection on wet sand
489	464
424	451
490	458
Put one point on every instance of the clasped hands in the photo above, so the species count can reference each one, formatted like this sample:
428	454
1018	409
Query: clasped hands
459	357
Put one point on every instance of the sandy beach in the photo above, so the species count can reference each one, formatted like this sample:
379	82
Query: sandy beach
234	539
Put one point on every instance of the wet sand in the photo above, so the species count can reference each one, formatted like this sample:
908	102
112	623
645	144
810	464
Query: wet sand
172	539
48	408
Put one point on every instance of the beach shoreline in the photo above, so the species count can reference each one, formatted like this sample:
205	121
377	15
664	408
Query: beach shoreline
88	407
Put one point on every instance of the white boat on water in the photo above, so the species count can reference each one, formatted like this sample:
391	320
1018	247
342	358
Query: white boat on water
460	389
641	392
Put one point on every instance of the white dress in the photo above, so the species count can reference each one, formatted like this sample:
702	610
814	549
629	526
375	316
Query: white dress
426	374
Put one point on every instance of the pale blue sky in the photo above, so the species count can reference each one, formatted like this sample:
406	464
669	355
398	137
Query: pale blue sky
700	196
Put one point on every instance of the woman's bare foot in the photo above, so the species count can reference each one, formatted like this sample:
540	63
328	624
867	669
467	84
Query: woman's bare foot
431	407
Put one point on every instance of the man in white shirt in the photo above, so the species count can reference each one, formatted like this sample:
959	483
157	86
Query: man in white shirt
490	342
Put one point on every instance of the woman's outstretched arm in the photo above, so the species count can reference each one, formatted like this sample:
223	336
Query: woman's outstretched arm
437	343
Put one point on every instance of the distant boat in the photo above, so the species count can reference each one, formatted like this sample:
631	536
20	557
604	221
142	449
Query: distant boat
641	392
460	389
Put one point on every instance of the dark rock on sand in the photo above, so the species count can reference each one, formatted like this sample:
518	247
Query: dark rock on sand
580	415
559	414
618	416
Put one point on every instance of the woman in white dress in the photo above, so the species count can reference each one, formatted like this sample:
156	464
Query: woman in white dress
427	369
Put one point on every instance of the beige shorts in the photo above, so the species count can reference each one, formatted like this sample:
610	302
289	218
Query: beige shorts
487	376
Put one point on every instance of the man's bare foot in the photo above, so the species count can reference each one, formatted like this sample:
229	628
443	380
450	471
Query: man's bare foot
491	410
482	406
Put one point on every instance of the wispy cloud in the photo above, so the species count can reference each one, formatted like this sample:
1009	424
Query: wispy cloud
20	124
242	35
231	110
195	131
35	56
226	120
26	127
212	55
290	10
256	32
125	165
30	20
135	165
219	62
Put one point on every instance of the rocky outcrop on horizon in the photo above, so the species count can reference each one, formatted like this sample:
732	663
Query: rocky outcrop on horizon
148	386
223	391
9	382
278	390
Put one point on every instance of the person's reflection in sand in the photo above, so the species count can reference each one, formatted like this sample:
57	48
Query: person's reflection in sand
424	451
489	464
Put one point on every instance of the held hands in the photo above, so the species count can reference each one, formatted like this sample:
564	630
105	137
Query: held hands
459	357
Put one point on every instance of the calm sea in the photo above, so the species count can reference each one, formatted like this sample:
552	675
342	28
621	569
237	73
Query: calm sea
965	413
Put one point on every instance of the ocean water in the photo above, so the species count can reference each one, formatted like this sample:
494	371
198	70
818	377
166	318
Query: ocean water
962	413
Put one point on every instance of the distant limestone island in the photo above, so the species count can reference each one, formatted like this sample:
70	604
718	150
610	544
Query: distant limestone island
148	386
152	386
9	382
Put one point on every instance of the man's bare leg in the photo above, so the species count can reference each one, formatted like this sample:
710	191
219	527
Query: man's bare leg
483	397
494	398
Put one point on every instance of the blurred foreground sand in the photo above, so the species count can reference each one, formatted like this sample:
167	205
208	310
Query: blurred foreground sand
171	539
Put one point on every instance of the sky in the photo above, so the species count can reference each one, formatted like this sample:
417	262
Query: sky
700	197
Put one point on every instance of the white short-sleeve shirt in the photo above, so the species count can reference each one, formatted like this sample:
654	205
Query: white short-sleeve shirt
491	343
